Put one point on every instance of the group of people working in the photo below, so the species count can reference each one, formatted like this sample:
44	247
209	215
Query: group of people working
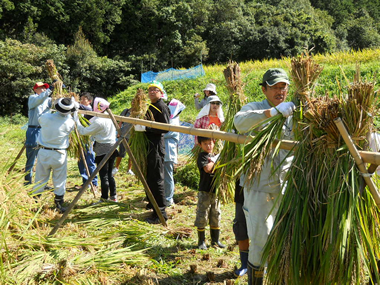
256	201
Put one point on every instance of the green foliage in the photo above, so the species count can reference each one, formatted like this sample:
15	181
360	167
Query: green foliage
187	175
21	65
89	72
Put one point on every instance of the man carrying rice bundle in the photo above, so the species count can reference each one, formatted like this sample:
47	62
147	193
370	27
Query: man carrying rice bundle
263	193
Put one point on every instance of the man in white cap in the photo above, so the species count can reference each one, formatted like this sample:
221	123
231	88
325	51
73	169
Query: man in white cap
209	90
156	148
53	142
38	104
263	194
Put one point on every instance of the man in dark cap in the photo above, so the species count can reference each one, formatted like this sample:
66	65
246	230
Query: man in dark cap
53	142
263	194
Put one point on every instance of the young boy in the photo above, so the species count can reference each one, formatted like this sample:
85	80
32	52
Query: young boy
208	207
86	99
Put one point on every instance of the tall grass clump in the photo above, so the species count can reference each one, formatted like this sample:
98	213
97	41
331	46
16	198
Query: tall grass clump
326	228
225	169
78	253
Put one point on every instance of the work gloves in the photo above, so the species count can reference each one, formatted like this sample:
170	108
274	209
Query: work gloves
139	128
285	108
76	117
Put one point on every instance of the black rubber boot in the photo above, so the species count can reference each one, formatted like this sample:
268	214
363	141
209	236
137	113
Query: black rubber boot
215	238
255	275
58	200
244	260
201	239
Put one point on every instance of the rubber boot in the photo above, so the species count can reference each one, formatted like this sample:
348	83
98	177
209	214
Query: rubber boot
255	275
58	200
215	238
244	260
201	239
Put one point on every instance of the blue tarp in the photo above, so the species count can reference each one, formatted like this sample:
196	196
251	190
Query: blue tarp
172	74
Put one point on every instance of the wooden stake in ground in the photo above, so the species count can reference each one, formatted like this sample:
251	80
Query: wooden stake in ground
358	160
17	158
139	173
93	189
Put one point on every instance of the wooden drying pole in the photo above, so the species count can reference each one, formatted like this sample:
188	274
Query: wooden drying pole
358	160
17	158
139	173
367	156
84	161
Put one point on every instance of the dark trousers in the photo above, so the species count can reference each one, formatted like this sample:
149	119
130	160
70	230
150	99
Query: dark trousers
106	179
90	160
31	152
155	173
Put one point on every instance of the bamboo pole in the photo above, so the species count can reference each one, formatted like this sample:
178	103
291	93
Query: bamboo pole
241	139
139	173
17	158
85	162
367	156
358	160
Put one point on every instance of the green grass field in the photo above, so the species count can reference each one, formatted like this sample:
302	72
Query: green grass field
109	243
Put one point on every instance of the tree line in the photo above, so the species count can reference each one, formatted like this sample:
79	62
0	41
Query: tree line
103	46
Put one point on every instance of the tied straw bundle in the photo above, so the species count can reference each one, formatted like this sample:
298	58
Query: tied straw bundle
76	140
327	227
225	169
138	140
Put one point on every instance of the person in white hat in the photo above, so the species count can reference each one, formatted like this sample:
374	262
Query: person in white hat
209	90
38	104
103	132
53	142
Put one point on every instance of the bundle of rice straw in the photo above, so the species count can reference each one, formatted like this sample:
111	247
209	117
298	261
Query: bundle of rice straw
327	227
138	141
74	149
225	169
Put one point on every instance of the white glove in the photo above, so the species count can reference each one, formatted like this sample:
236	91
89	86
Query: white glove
76	105
285	108
215	158
139	128
76	117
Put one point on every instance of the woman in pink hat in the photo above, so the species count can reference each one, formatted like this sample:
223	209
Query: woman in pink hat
103	132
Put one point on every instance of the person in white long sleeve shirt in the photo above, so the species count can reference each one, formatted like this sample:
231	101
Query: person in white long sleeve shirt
171	150
53	142
39	103
103	132
262	196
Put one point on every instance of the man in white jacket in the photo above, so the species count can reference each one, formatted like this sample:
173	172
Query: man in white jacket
262	195
53	142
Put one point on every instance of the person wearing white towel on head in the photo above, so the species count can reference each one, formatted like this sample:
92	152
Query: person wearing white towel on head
53	142
103	132
171	150
210	116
